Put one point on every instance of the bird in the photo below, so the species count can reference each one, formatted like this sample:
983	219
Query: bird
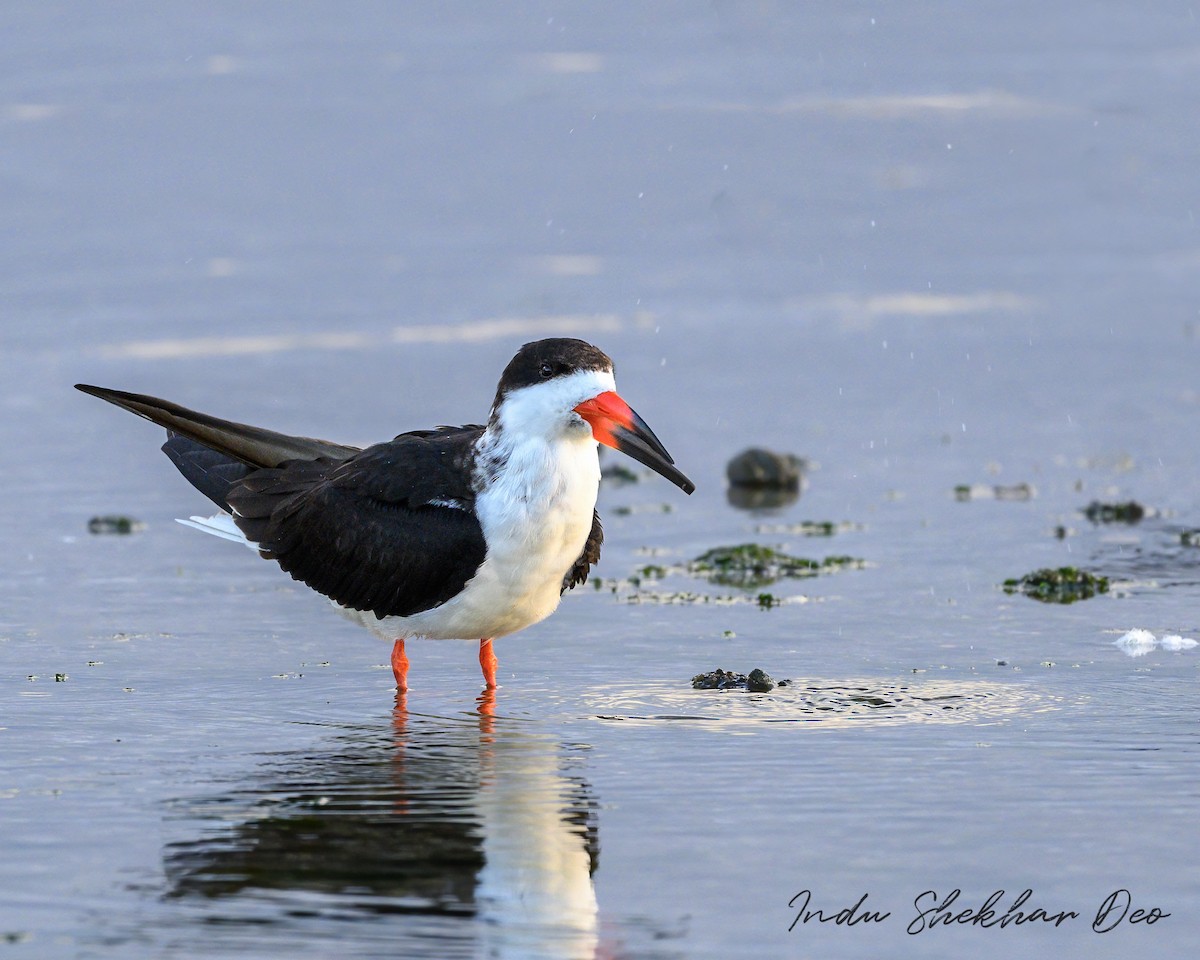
467	532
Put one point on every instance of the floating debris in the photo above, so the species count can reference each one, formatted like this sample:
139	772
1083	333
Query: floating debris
651	571
1131	512
752	565
991	491
747	567
1064	585
807	528
684	597
1117	463
756	681
629	510
115	523
679	597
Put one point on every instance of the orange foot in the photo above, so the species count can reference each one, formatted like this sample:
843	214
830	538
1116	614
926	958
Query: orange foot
400	665
488	661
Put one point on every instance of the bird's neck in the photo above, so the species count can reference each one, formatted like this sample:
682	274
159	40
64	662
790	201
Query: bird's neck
533	468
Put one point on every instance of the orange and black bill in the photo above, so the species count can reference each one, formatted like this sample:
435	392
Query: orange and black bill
616	425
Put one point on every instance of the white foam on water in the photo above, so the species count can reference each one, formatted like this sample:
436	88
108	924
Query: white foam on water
1139	642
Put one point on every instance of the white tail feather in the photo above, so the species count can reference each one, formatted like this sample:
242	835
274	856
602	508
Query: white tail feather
219	525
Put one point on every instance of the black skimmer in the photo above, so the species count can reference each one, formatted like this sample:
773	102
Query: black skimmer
452	533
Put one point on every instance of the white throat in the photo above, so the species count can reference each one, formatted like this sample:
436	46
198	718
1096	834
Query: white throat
547	410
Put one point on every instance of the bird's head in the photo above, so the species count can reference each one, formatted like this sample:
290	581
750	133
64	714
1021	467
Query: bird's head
563	387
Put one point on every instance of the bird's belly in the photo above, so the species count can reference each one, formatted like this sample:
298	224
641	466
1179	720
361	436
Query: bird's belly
494	603
484	608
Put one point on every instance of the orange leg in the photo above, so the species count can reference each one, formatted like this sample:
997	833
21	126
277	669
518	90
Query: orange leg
400	665
488	661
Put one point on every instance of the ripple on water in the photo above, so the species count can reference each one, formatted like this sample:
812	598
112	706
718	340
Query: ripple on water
828	702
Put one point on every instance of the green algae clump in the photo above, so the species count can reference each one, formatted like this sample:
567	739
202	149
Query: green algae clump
1061	585
752	565
1130	512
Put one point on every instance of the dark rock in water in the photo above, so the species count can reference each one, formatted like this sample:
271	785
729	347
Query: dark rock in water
758	681
1130	512
115	524
765	469
716	680
1064	585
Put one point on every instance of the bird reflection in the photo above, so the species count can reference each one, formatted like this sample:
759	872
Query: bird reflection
471	819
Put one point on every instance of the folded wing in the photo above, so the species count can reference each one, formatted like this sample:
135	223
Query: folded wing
391	531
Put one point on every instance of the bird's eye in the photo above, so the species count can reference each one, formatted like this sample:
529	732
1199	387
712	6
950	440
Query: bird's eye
547	370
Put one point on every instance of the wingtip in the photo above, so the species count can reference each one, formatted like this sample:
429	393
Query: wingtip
118	398
102	393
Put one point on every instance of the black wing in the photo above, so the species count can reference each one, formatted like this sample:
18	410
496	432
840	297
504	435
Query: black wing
254	446
211	472
391	530
591	554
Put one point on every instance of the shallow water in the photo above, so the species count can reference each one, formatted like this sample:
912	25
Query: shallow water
921	249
